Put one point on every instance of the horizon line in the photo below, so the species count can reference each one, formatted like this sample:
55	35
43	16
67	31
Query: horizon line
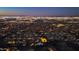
40	16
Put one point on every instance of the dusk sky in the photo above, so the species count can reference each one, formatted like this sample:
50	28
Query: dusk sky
40	11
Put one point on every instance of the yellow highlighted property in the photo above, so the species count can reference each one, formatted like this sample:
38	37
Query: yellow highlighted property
43	39
60	25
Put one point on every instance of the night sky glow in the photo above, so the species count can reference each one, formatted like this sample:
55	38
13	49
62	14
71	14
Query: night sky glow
40	11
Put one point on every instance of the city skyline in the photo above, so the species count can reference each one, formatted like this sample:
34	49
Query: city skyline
39	11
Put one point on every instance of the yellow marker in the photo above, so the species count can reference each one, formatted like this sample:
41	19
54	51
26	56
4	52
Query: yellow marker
43	39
